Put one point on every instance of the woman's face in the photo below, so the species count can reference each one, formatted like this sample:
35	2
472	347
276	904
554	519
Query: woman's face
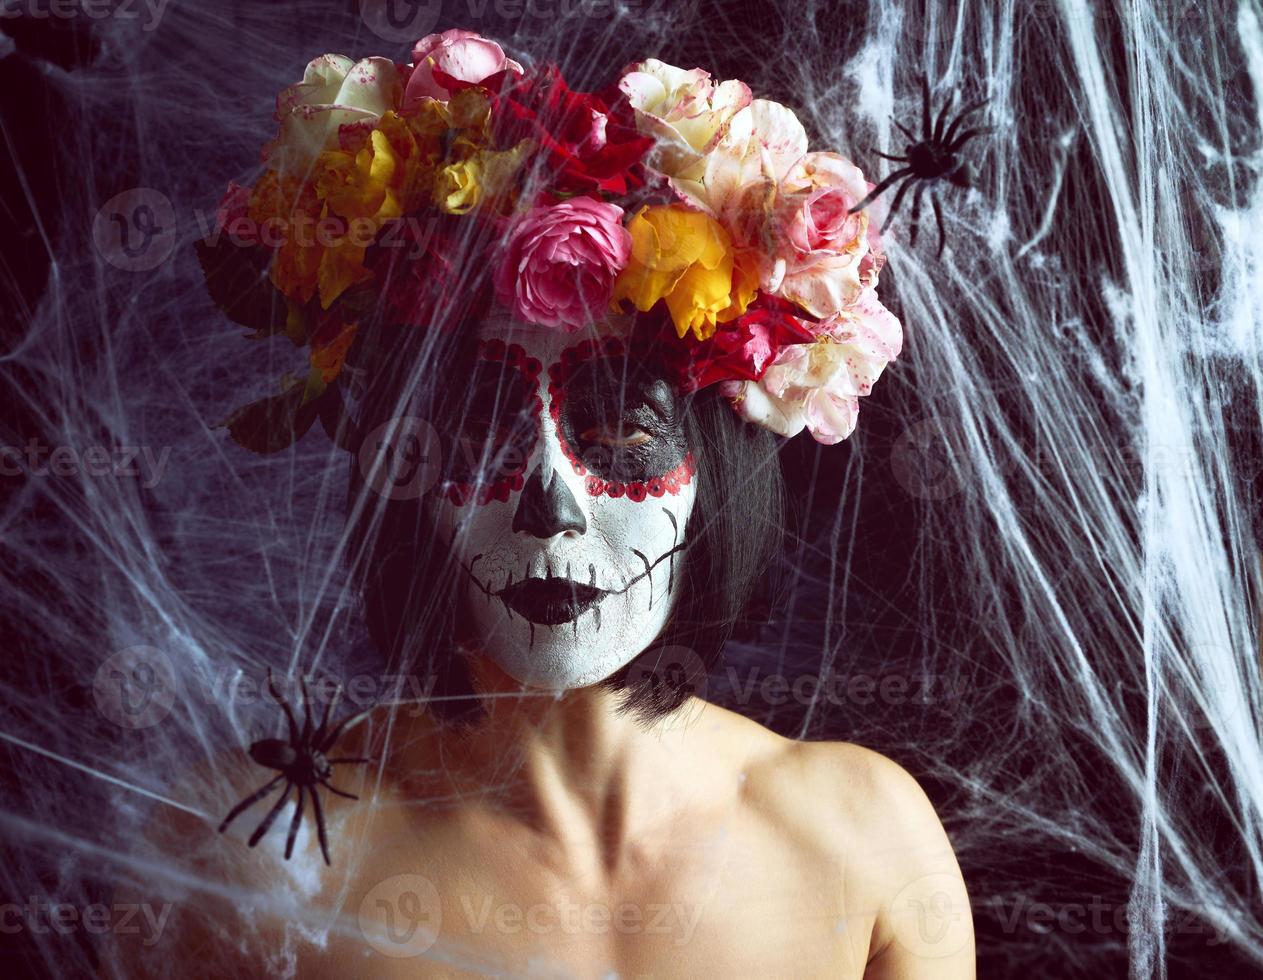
566	496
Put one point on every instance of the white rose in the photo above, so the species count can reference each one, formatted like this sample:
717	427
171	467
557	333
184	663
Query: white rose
686	113
335	92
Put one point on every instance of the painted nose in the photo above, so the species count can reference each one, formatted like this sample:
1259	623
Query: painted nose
547	506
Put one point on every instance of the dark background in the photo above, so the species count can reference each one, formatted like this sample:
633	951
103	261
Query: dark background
878	630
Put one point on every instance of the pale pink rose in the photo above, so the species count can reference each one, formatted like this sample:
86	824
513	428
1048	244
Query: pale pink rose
335	92
746	167
822	254
461	55
741	183
561	263
686	113
817	386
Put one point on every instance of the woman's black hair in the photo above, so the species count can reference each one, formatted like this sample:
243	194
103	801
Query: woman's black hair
410	581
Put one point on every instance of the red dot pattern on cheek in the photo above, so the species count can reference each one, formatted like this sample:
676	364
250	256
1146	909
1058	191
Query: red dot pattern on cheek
529	368
558	374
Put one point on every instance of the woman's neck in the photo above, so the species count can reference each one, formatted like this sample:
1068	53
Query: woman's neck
573	766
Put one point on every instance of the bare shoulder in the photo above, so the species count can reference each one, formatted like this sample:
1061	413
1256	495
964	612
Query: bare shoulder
863	814
848	781
875	797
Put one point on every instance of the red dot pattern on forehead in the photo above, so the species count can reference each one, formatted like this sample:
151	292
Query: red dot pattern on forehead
558	374
529	368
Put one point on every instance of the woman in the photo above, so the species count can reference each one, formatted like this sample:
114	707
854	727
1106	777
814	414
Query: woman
561	508
622	827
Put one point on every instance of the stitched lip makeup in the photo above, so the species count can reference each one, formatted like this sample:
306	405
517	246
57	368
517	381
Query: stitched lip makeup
550	601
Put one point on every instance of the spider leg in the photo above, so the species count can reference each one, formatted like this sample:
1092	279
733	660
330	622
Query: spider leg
872	195
967	136
938	216
334	700
965	113
320	825
941	121
344	726
289	715
916	214
248	802
293	824
262	829
887	156
903	189
333	789
925	107
345	759
905	130
302	686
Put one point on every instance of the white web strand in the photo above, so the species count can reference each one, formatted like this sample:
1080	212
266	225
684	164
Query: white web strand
1095	318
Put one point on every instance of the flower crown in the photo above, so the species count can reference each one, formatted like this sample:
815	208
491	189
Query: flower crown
668	194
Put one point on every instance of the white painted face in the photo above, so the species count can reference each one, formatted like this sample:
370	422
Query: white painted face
566	501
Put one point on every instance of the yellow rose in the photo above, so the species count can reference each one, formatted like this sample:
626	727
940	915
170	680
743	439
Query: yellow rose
482	176
685	258
383	178
498	170
371	182
457	187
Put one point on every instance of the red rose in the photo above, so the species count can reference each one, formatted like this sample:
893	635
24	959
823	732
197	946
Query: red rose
741	349
589	145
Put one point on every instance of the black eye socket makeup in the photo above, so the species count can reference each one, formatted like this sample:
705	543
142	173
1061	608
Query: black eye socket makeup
622	422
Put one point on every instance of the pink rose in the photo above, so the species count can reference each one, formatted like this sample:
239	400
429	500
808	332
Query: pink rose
454	56
561	263
822	254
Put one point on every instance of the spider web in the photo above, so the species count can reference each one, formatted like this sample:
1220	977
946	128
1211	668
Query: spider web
1031	577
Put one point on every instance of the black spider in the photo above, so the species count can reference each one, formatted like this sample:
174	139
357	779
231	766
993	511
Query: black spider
935	156
302	763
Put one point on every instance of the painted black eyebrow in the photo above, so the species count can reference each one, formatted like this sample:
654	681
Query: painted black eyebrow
655	395
658	396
